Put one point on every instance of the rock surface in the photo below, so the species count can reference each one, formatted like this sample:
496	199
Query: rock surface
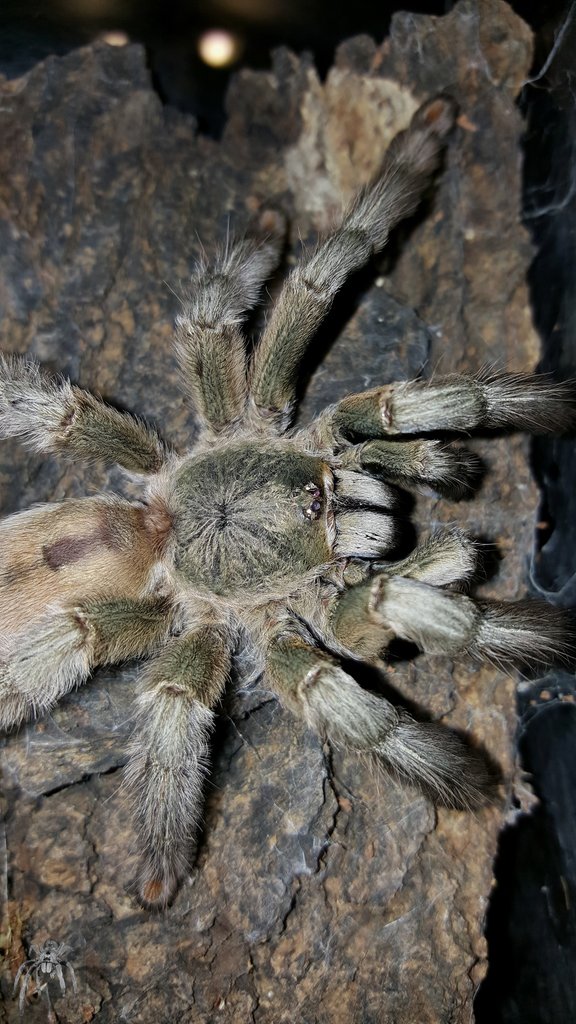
321	892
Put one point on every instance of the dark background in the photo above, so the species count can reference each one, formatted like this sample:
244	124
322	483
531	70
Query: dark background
532	921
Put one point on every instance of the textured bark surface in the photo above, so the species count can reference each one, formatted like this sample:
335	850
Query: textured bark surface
321	891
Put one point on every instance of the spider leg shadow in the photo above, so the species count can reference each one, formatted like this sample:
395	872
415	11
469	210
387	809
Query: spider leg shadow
375	681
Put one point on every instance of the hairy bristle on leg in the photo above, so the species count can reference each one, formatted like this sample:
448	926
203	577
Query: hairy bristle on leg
530	633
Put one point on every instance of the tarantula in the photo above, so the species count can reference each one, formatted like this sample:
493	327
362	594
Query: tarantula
48	960
283	536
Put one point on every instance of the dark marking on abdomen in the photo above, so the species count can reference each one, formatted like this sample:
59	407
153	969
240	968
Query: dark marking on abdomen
70	549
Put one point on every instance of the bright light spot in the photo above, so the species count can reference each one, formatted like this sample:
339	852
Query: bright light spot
218	48
115	37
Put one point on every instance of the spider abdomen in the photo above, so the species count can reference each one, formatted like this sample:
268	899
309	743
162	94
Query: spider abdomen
250	518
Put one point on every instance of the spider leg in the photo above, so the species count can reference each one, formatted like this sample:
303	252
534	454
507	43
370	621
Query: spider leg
52	415
209	344
313	685
367	616
63	648
70	970
455	403
309	291
42	984
21	970
23	991
452	471
169	755
60	977
446	558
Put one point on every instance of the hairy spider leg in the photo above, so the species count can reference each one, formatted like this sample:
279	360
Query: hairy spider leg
52	415
169	754
64	647
309	291
441	622
313	685
455	403
210	346
451	470
70	970
447	557
60	976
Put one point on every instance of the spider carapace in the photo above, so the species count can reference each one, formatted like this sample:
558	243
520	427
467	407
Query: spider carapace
251	518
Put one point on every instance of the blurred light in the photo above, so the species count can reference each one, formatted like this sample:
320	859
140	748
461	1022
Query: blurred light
115	37
218	48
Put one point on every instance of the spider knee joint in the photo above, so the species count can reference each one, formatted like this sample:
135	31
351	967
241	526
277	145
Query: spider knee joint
68	420
386	410
170	689
80	620
376	597
311	680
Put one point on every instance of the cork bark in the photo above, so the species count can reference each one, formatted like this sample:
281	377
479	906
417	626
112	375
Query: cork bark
321	892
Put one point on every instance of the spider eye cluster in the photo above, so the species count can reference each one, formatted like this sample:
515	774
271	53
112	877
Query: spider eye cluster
314	508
